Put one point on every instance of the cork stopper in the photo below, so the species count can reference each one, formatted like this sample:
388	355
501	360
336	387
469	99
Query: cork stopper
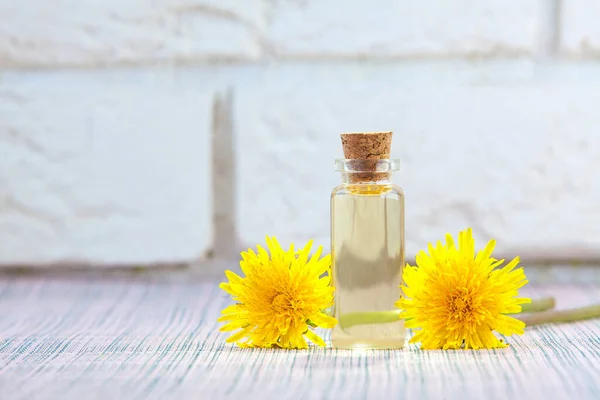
370	147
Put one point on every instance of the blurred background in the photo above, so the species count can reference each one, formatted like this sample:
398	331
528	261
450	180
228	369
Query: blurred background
171	134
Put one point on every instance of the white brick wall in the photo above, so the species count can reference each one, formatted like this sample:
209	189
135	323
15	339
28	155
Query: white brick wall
581	29
103	170
108	32
168	131
514	161
405	28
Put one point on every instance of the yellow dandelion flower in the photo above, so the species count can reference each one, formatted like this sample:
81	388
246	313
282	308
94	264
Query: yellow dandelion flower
456	299
281	299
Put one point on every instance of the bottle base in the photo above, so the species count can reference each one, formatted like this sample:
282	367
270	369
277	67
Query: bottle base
371	344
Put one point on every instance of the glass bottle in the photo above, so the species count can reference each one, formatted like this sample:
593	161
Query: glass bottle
367	249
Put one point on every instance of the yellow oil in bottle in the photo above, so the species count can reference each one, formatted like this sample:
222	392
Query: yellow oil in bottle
367	239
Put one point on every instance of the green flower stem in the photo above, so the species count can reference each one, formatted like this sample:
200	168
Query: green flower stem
540	313
543	304
366	318
575	314
383	317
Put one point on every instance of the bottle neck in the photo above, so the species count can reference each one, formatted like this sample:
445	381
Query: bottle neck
364	178
366	172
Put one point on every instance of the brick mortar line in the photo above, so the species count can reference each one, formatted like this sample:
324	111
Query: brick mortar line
210	269
483	56
223	187
550	32
309	61
233	257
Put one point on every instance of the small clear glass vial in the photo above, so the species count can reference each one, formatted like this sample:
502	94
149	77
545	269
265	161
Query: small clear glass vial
367	249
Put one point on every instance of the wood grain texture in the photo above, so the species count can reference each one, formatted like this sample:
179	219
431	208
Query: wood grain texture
71	339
